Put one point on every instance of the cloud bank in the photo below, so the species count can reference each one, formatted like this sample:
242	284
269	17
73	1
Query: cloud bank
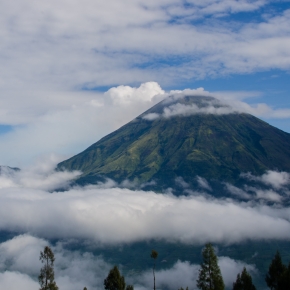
107	214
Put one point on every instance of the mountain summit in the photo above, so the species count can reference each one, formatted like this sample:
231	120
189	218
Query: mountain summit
185	136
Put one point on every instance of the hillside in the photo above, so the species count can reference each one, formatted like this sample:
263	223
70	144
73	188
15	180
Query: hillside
213	146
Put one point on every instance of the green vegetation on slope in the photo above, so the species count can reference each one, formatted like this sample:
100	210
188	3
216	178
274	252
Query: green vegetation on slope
216	147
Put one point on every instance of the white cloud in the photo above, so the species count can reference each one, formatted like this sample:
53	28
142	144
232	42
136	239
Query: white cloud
202	182
70	129
124	95
107	214
238	192
181	182
224	103
252	193
184	274
273	178
15	281
41	175
74	270
22	254
267	195
51	45
231	268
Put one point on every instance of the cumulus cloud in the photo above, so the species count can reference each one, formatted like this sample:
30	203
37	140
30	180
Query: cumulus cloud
69	129
124	95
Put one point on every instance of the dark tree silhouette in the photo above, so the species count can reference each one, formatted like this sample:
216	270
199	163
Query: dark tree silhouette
210	277
114	281
276	269
46	276
244	281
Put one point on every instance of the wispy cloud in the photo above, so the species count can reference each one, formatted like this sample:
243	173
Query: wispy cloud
273	178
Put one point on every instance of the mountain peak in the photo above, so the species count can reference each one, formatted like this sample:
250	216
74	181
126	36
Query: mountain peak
185	136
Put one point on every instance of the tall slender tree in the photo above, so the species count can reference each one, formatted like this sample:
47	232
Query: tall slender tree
244	281
210	277
46	276
154	256
276	269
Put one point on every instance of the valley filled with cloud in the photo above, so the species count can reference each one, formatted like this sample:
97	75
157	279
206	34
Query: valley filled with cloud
107	214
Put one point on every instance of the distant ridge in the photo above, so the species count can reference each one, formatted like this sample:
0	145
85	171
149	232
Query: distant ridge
180	137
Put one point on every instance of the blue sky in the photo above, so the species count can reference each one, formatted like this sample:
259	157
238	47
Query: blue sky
71	74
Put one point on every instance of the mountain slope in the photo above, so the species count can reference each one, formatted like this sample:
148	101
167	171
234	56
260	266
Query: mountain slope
216	146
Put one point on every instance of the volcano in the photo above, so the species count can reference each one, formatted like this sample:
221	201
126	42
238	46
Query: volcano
185	136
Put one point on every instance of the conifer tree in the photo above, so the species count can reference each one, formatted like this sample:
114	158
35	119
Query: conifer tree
244	281
210	277
46	276
276	269
114	281
284	280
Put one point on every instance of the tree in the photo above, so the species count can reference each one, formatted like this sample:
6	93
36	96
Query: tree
244	281
130	287
276	269
114	281
284	280
210	277
154	256
46	276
